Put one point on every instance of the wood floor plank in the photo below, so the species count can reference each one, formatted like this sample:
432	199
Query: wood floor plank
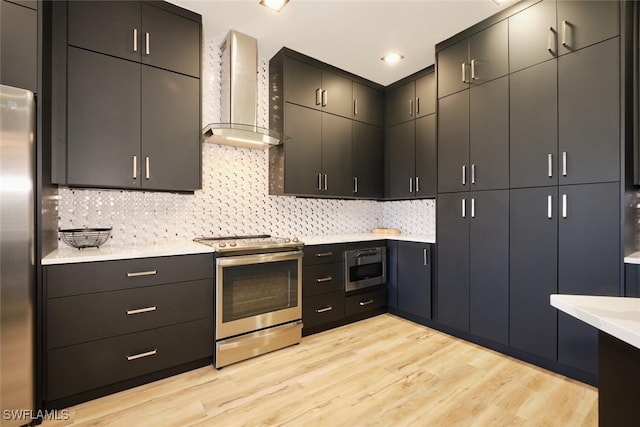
381	371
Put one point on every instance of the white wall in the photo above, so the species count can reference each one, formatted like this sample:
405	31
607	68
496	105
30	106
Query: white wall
234	198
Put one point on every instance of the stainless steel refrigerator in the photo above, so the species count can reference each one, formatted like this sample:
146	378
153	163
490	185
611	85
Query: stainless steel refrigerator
17	255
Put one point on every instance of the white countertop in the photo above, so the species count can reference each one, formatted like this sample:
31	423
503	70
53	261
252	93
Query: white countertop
617	316
68	255
633	258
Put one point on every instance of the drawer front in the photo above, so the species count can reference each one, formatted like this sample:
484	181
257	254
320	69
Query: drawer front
324	308
322	254
79	368
360	303
81	318
84	278
322	278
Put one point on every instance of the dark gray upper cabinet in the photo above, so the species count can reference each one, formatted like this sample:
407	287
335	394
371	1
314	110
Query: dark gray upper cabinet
400	105
367	154
589	114
414	279
480	58
426	176
453	143
425	102
533	100
533	270
18	46
402	151
533	35
137	31
368	104
583	23
336	156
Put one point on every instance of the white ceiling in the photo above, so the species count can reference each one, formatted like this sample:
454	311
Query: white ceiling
349	34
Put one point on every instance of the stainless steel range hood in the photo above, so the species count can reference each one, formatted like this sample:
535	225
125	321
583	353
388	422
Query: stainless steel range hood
239	97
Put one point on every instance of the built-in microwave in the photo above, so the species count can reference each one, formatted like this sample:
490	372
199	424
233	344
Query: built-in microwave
365	267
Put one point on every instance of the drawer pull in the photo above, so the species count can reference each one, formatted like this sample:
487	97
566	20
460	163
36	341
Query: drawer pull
143	273
142	310
324	279
367	302
324	310
141	355
323	254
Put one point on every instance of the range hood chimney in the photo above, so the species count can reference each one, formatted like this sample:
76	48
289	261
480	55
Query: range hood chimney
239	97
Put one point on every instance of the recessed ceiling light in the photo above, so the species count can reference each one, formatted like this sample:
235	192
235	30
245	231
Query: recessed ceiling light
499	2
392	57
276	5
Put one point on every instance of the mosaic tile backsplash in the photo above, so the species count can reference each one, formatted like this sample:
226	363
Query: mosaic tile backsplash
234	197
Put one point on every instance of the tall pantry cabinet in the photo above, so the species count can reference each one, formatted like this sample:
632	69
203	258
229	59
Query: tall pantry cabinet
561	155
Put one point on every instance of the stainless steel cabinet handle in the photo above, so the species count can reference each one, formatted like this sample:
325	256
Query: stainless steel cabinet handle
473	208
141	355
410	185
325	98
551	41
564	163
473	69
141	310
147	172
417	106
564	206
464	208
565	24
473	173
147	44
411	107
135	39
323	254
464	174
135	167
324	279
550	165
550	206
367	302
355	184
318	96
424	257
324	310
319	181
143	273
464	72
355	107
417	184
325	182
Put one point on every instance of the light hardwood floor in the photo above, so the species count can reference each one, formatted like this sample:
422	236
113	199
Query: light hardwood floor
383	371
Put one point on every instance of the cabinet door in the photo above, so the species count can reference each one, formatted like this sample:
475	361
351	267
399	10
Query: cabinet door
103	127
170	41
337	95
453	143
533	270
489	265
367	156
170	130
426	157
368	104
302	83
489	135
414	278
336	155
583	23
533	35
402	153
400	104
589	114
489	53
425	95
119	32
453	70
303	151
18	46
453	260
534	126
589	262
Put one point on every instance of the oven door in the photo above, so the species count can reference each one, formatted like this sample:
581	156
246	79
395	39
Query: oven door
254	292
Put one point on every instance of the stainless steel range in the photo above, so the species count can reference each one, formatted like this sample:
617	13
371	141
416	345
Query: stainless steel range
258	298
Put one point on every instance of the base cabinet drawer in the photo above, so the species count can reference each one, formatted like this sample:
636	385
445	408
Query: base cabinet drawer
322	278
81	318
321	254
83	367
360	303
324	308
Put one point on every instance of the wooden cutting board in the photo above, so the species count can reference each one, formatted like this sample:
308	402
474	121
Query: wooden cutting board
386	231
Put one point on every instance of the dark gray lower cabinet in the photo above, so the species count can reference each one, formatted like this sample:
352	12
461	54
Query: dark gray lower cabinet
414	278
533	270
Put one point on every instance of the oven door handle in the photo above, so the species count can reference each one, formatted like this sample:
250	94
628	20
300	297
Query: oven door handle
258	258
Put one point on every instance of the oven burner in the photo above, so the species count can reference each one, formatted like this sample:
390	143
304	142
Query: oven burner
259	243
